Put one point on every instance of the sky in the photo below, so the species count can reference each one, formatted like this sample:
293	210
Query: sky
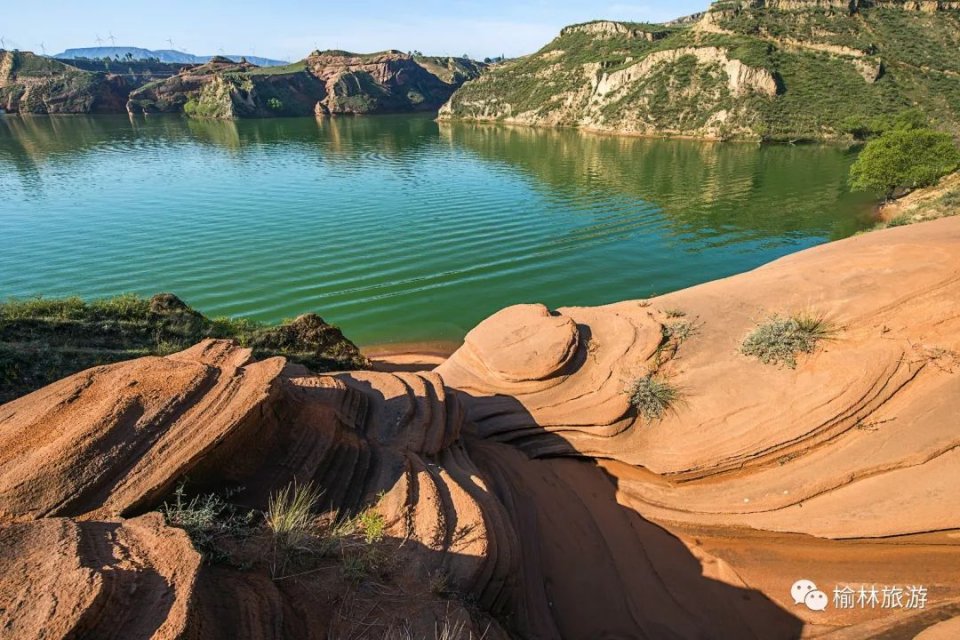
290	29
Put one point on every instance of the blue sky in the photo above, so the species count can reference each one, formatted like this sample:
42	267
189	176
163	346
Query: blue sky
289	29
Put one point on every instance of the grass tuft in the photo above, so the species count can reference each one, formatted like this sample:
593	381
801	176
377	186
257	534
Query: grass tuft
652	397
290	519
290	513
780	340
899	221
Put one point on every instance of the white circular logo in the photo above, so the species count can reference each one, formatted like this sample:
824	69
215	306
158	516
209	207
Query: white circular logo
800	589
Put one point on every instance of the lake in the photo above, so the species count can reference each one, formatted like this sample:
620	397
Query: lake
396	228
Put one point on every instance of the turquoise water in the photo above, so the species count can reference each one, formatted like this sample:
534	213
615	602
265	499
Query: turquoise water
397	228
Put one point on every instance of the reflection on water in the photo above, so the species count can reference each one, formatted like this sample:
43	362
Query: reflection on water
704	187
396	227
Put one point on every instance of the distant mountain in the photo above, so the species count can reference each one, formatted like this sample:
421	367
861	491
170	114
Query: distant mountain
163	55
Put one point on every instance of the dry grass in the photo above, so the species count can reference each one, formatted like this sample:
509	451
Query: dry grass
289	514
652	397
290	519
780	340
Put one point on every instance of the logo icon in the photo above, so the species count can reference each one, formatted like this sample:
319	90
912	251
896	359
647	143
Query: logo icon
805	592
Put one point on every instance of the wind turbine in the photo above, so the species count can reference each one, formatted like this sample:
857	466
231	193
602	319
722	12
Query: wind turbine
3	43
99	40
113	41
43	48
170	42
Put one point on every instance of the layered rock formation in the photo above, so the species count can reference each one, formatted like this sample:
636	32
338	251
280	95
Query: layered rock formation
325	83
520	471
770	70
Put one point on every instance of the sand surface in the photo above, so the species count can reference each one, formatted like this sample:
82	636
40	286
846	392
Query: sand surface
409	356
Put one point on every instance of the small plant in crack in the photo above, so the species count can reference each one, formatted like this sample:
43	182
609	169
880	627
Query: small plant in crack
674	334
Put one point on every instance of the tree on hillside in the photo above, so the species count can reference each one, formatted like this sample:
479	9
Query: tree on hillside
862	128
904	159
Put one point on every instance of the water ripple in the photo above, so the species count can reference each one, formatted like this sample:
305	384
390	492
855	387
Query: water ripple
396	227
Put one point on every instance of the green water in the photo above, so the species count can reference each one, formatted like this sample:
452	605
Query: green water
396	228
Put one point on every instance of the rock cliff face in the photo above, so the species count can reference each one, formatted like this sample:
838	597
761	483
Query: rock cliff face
771	69
521	473
40	85
32	84
325	83
225	89
609	29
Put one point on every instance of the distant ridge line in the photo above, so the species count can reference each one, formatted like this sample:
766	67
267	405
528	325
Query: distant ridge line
164	55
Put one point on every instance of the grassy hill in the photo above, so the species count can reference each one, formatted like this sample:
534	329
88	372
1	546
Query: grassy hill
791	69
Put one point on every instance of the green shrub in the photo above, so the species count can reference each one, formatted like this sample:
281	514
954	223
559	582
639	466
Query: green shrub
904	159
373	525
779	340
275	104
652	397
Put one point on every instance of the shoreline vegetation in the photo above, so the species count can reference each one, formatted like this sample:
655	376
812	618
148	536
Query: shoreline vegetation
45	339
